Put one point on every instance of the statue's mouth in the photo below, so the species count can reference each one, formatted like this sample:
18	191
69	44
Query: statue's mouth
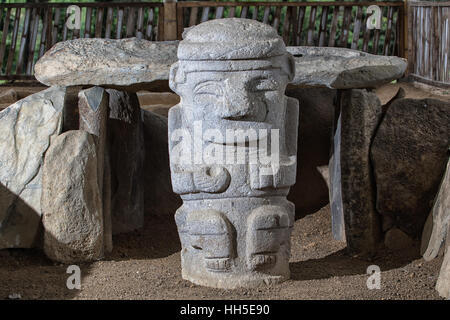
236	132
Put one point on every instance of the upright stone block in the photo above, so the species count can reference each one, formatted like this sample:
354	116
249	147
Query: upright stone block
443	282
126	143
93	109
440	219
352	191
233	147
71	200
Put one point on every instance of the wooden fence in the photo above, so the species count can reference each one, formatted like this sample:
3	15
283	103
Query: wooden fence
28	30
339	23
429	42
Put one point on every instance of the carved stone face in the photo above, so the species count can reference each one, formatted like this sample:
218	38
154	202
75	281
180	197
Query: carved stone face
233	99
233	96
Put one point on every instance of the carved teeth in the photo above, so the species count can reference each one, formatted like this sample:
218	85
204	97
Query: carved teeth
218	265
263	260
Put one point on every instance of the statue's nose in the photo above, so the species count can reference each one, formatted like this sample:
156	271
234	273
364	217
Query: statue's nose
237	104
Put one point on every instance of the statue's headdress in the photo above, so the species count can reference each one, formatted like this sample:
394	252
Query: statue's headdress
232	44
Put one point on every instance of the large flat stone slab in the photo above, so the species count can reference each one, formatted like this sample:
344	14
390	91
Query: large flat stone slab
137	64
127	63
341	68
26	128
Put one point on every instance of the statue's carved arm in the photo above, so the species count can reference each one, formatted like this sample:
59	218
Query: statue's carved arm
283	173
188	178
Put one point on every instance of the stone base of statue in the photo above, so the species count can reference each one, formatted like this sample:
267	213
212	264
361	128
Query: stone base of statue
236	242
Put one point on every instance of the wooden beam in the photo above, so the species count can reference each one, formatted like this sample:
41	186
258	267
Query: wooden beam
440	84
171	31
429	4
291	4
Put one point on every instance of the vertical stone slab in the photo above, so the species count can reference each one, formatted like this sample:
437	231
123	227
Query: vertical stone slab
126	143
335	191
93	114
26	128
440	218
106	196
443	282
71	200
352	189
159	198
71	116
311	191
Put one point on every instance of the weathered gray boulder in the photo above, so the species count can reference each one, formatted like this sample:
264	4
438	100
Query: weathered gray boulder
354	217
409	155
124	63
126	152
26	128
71	200
342	68
160	200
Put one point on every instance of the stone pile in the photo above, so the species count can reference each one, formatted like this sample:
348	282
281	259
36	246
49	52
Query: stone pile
74	153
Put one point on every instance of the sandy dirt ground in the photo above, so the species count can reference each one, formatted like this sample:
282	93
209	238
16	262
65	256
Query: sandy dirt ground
146	265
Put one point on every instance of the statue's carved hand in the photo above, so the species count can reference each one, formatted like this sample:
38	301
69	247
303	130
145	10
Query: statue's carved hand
211	179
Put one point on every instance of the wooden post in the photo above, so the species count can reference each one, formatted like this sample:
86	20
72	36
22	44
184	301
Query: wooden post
405	14
170	20
409	38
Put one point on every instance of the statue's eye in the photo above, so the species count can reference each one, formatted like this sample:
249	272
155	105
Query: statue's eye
263	84
213	88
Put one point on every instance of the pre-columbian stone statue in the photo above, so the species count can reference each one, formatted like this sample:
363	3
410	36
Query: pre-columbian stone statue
233	147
